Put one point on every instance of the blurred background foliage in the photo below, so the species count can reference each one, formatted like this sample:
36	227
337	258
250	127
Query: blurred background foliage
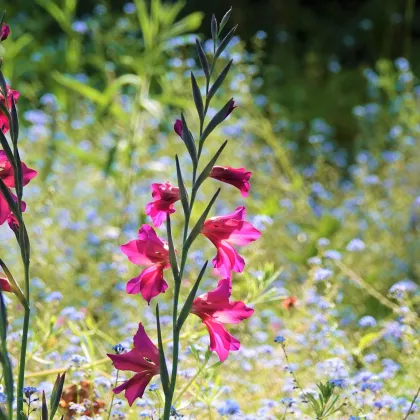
327	121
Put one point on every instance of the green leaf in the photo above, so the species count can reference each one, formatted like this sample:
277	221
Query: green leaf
367	340
182	190
197	228
44	409
191	296
203	59
220	78
164	376
4	356
225	41
3	85
56	394
198	100
216	120
225	20
188	140
172	255
205	173
14	129
214	29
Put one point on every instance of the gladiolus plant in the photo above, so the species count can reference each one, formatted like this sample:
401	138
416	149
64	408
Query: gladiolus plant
14	175
215	307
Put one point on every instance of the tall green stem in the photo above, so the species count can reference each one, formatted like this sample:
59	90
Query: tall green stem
25	331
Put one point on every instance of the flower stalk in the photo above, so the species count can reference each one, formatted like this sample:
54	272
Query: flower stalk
213	308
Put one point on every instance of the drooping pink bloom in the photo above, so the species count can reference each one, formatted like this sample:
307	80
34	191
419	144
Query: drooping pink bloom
5	32
4	284
226	231
238	177
178	127
215	309
164	197
7	176
4	121
143	359
153	252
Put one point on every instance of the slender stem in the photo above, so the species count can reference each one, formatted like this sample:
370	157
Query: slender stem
25	331
113	396
412	404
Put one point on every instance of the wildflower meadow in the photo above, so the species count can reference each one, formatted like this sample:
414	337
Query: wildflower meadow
186	231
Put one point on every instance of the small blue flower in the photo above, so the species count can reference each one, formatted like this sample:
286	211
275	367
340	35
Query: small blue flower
280	339
321	274
230	407
355	245
118	348
367	321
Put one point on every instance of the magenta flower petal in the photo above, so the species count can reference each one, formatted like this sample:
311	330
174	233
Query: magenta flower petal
151	251
147	249
5	212
225	231
149	283
214	308
4	32
143	359
7	172
178	127
4	121
134	388
4	209
238	177
227	260
164	195
4	284
221	341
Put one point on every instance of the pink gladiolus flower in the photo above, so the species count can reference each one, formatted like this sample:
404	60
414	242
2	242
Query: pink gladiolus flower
164	195
5	32
178	127
238	177
215	309
4	284
153	252
7	176
7	173
4	121
226	231
143	359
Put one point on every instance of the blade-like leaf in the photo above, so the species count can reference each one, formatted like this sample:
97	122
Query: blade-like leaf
56	396
188	140
203	59
191	296
214	28
172	255
44	409
225	41
3	85
14	129
197	228
225	20
198	100
182	190
205	173
4	356
163	368
216	120
220	78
